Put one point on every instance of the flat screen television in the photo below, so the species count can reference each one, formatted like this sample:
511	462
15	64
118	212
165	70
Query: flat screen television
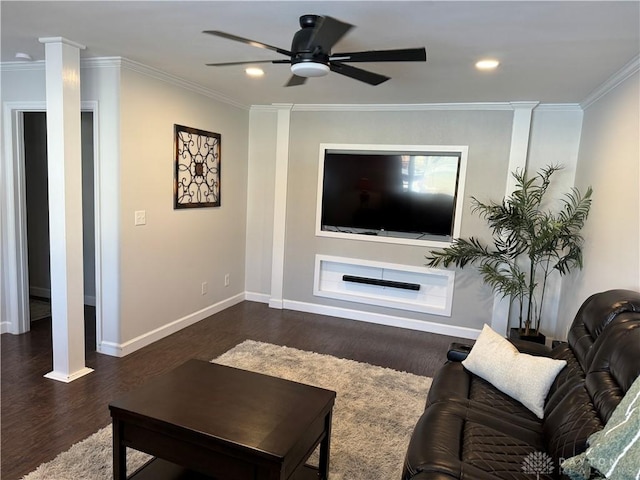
402	193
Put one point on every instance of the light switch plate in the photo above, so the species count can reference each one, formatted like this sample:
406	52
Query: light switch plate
140	217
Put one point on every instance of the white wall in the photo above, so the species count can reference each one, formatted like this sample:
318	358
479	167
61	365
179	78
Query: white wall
609	161
555	140
164	263
100	83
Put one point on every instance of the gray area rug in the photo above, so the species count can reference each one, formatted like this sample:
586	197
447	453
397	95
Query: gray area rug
376	409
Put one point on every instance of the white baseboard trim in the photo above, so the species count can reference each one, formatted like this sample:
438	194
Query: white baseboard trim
279	304
381	319
123	349
257	297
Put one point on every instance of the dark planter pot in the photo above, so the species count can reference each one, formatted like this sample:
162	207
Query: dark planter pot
516	334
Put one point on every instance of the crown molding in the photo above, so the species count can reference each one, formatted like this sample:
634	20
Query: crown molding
274	107
177	81
616	79
481	106
22	66
559	107
121	62
95	62
264	108
409	107
101	62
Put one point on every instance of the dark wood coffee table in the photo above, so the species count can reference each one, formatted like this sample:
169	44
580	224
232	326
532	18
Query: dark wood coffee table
204	420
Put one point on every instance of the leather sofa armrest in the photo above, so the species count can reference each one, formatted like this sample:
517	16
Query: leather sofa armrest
458	351
531	348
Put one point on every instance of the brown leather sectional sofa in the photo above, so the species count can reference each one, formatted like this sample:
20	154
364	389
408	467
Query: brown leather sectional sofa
471	430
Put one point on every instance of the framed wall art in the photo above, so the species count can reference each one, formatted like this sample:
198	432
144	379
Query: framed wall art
197	168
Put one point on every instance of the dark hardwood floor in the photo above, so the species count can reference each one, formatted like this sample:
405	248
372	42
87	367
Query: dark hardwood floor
42	417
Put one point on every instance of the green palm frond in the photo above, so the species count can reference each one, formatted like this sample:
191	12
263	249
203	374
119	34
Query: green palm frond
528	243
460	253
505	279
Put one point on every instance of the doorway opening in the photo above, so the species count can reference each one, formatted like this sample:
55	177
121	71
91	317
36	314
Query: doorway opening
34	137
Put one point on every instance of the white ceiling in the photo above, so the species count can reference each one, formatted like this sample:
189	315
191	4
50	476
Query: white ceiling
553	52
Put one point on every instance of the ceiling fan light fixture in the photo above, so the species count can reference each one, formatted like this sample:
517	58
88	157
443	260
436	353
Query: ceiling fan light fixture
310	54
310	69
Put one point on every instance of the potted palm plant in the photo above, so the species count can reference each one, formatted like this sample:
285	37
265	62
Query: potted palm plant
529	243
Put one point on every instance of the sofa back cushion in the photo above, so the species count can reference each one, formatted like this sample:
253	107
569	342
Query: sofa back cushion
571	421
615	365
579	408
596	312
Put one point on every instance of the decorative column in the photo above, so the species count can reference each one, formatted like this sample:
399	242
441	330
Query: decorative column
65	207
280	204
520	133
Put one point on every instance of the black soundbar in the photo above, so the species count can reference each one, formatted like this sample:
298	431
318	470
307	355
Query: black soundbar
381	283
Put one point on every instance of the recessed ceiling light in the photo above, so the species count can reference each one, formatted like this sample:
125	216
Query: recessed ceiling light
254	72
487	64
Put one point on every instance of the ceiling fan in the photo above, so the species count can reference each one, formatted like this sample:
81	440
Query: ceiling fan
311	56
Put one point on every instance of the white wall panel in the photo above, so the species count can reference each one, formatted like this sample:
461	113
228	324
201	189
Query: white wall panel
609	161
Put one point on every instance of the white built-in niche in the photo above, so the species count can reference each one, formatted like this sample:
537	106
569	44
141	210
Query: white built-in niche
418	289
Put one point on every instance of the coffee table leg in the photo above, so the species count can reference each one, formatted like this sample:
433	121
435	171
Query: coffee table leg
119	453
325	444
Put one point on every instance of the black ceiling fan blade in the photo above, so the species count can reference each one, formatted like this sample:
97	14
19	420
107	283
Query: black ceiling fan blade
327	32
248	41
227	64
398	55
295	80
358	73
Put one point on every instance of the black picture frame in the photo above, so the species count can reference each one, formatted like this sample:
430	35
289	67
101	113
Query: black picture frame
197	168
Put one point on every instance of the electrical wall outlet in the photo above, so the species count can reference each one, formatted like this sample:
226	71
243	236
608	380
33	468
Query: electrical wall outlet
227	280
205	288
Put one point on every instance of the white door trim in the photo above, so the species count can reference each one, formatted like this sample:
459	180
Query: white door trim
14	254
14	249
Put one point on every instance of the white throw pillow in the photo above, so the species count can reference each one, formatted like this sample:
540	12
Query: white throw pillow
525	378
